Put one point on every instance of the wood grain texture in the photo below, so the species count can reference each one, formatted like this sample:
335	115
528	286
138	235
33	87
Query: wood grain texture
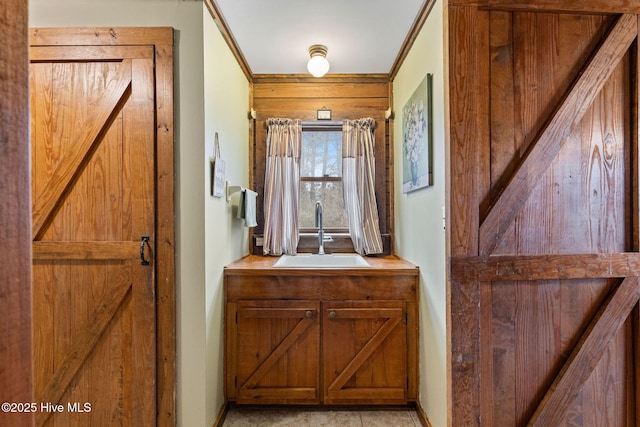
379	374
81	348
100	36
517	315
314	90
68	53
561	6
540	267
254	265
587	353
548	144
634	142
350	98
85	250
468	72
364	352
277	359
16	370
165	230
67	170
131	216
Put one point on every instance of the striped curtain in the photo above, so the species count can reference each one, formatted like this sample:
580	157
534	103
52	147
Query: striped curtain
282	186
358	177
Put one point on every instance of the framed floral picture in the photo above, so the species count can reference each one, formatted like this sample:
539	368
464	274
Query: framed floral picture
417	144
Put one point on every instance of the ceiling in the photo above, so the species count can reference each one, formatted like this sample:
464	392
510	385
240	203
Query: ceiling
362	36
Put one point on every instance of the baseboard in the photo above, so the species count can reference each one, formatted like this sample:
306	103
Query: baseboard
422	415
222	414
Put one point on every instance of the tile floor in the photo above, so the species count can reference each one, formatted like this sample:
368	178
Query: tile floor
287	417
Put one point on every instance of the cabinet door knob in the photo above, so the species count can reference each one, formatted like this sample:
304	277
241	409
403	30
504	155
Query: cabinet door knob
308	313
332	315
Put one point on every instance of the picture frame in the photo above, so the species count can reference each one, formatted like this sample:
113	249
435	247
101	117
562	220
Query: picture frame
417	138
217	171
323	114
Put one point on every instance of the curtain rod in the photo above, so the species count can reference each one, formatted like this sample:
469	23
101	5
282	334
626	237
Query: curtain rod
321	123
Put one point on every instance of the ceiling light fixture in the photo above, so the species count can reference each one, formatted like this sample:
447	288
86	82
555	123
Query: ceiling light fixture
318	64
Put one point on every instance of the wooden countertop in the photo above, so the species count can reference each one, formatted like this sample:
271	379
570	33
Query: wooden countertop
263	265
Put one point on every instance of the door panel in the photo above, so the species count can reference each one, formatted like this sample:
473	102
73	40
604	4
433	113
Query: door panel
364	352
278	352
545	108
93	191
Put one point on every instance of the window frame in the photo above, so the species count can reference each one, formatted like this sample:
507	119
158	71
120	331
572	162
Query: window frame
322	126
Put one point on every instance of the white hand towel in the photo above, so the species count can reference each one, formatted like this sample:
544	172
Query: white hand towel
250	208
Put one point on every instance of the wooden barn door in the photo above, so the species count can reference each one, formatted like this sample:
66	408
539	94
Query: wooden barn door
93	185
544	201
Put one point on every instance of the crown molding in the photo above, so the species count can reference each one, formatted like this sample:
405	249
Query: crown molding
411	37
214	10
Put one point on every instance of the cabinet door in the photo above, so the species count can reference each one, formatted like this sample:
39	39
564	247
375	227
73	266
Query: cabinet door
364	352
278	351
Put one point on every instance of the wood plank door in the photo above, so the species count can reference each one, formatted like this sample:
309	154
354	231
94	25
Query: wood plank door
544	229
364	356
93	186
278	351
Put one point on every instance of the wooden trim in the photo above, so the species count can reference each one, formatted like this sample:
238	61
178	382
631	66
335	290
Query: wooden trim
79	53
222	415
422	415
545	148
96	36
464	353
86	250
356	89
468	86
486	353
544	267
634	139
162	40
329	78
227	35
561	6
16	380
587	353
165	233
216	14
468	118
411	37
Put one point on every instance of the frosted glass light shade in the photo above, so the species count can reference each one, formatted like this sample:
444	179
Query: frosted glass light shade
318	65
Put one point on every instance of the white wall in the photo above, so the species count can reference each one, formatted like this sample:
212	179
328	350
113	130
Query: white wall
210	95
419	232
226	109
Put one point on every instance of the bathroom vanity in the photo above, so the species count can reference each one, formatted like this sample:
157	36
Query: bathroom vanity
312	336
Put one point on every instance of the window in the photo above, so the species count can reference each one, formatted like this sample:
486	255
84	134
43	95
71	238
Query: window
321	177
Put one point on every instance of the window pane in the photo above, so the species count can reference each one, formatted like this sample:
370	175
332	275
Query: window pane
331	197
321	153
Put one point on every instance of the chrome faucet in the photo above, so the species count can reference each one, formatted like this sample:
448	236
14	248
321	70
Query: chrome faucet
320	229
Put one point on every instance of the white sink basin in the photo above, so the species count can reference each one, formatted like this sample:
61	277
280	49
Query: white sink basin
322	261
